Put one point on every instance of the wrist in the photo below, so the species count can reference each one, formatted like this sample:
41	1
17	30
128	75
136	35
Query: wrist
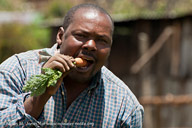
34	104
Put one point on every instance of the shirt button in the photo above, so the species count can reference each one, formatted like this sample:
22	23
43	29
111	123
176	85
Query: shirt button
89	93
65	120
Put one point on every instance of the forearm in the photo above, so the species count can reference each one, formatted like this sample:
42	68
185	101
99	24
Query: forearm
14	113
34	104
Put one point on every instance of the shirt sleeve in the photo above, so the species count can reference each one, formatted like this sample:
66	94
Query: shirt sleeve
137	117
133	116
12	112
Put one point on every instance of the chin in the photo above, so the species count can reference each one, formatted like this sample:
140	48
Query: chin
80	77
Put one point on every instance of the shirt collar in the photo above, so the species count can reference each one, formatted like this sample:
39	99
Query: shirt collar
45	54
96	80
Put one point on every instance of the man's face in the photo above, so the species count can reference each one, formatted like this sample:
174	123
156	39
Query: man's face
89	36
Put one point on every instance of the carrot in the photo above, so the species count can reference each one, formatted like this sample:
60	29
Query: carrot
79	62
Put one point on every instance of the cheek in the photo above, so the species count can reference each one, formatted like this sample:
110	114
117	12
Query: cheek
102	57
103	54
69	48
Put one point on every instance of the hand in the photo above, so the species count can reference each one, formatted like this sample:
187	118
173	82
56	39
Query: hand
62	62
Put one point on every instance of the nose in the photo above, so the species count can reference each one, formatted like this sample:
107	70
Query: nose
90	45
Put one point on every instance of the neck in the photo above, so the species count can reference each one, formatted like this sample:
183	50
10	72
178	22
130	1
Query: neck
73	89
72	84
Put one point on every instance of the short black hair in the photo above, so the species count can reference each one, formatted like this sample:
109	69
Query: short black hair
69	15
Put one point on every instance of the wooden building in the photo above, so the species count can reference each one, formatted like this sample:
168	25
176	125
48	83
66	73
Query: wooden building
153	56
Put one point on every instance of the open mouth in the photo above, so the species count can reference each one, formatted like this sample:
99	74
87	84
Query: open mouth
90	61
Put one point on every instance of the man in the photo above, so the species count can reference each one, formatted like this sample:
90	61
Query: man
88	96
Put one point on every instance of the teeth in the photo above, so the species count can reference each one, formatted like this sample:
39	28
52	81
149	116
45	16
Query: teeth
83	67
88	59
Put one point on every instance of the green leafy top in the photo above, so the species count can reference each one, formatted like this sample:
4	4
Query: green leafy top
37	83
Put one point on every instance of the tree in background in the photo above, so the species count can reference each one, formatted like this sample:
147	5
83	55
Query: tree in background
17	38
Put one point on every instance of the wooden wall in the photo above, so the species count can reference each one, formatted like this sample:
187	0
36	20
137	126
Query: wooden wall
161	52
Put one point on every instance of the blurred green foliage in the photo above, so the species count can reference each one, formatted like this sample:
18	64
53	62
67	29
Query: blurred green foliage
133	9
11	5
57	8
17	38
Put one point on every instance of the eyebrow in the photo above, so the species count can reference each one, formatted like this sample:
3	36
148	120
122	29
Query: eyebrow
98	35
104	36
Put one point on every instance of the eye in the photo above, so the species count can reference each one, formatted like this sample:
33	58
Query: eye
80	36
103	41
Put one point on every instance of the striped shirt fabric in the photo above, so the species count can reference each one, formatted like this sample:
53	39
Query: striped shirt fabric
106	103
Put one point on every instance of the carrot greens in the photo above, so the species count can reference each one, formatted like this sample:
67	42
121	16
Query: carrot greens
37	83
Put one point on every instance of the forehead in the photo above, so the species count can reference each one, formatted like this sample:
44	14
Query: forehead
90	12
93	16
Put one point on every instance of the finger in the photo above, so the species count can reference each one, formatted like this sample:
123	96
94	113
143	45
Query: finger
67	61
60	62
57	65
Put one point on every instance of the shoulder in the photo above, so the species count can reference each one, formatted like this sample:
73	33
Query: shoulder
116	86
25	63
18	60
112	78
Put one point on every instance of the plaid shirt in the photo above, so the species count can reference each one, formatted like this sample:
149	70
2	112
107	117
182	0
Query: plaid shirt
107	102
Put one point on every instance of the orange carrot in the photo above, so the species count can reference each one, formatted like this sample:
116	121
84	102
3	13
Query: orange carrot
79	62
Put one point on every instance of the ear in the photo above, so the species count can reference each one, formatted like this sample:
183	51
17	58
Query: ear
59	36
